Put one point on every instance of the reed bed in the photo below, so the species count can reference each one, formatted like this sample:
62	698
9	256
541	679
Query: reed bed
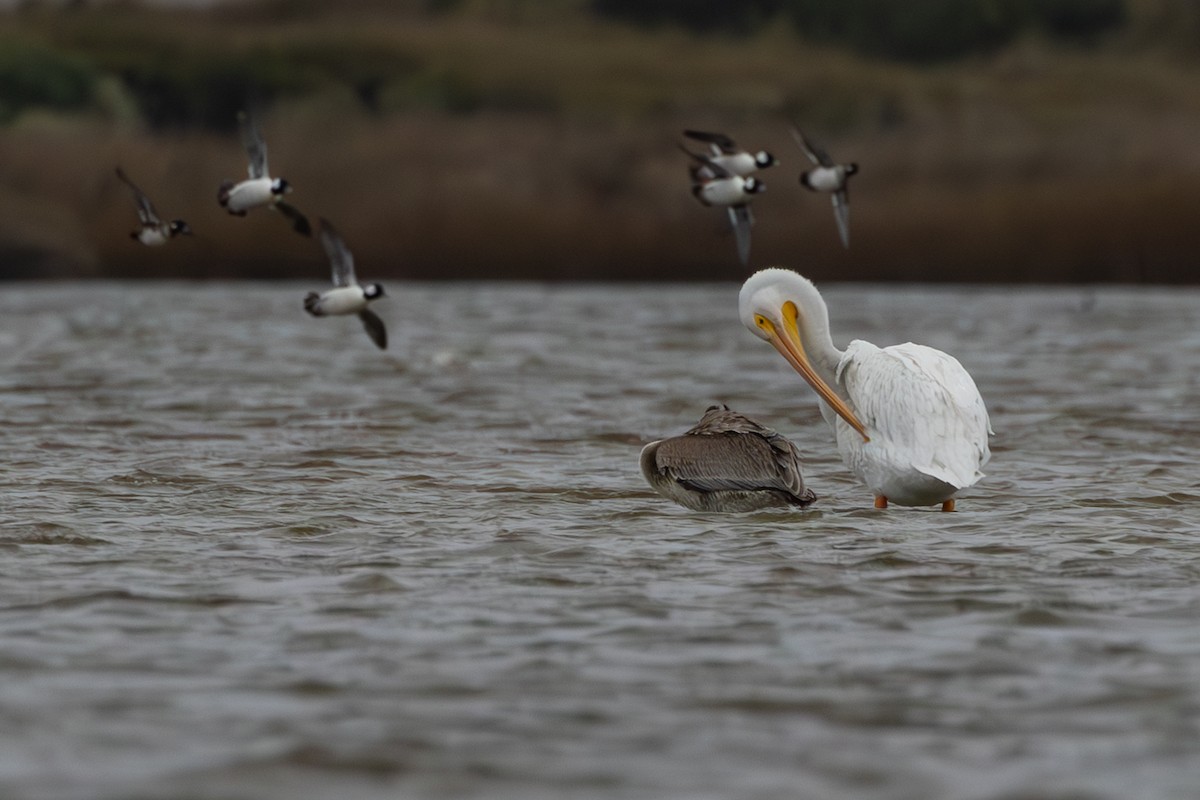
464	147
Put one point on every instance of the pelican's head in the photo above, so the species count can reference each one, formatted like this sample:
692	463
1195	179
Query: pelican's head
781	307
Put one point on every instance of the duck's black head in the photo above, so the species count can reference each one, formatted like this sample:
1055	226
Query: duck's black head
765	159
372	291
179	227
279	186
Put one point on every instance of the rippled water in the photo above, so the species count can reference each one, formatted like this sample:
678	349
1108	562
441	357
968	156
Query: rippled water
246	555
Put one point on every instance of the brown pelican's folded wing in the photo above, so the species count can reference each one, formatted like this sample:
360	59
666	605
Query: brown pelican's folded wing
731	462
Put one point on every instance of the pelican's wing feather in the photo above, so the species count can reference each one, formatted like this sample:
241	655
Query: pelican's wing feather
732	462
924	405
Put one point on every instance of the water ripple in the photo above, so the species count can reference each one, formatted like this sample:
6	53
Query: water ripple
245	558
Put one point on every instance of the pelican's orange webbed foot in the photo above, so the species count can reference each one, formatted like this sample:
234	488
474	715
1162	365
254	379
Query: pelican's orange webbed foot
948	505
880	501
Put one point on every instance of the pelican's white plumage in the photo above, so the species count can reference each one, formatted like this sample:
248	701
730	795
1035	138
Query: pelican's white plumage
908	419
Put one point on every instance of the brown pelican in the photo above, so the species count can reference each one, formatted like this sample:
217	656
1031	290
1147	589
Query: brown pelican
908	419
727	462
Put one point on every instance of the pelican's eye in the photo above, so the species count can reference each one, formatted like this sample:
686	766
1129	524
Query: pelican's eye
763	323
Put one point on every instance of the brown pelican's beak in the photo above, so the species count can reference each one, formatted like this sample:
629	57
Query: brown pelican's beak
787	342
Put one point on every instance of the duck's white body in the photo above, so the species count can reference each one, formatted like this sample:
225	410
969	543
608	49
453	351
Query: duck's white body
742	163
342	300
733	191
252	193
825	179
153	237
908	419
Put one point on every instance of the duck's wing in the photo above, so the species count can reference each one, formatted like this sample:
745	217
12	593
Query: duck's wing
340	257
841	213
295	218
816	154
704	165
146	213
722	142
256	146
374	328
741	218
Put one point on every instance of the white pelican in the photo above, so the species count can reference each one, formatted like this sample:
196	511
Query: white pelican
908	419
727	462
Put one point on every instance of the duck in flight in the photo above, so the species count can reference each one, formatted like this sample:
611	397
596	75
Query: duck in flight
715	185
346	296
153	231
259	189
828	176
727	153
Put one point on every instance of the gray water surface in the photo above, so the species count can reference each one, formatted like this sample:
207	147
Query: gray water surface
247	555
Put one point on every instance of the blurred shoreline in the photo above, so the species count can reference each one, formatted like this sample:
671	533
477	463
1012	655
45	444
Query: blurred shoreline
545	148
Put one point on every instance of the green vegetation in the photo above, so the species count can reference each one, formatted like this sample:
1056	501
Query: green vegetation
33	75
936	30
195	68
913	30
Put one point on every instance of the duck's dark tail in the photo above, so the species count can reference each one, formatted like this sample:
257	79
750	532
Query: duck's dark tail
311	301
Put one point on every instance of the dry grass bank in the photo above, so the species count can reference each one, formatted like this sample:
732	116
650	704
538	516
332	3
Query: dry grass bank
1035	165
